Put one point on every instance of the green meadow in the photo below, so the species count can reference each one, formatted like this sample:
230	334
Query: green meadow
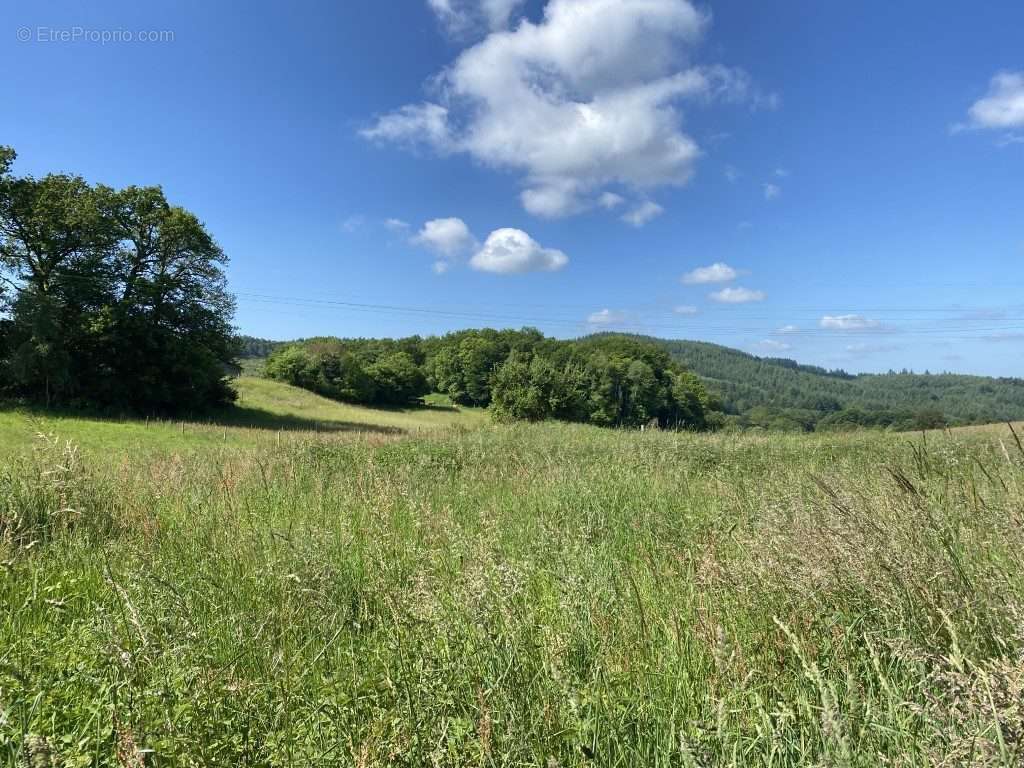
304	583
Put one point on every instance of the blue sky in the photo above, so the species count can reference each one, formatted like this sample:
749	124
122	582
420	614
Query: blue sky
842	184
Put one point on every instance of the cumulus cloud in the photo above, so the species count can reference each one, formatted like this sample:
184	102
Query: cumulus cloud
606	317
506	251
413	124
446	237
714	273
1002	107
685	309
585	98
512	251
461	15
771	191
848	323
737	296
643	213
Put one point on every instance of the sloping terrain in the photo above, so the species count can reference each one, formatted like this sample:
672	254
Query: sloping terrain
746	382
266	412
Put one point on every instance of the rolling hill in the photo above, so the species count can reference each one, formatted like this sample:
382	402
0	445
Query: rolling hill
747	383
781	393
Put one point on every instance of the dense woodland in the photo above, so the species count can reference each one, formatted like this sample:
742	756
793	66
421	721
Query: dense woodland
781	394
522	375
519	375
110	298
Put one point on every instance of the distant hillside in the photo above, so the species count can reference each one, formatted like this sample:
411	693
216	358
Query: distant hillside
767	387
778	393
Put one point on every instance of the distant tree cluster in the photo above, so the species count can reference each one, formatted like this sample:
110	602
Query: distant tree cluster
364	371
110	298
253	347
610	381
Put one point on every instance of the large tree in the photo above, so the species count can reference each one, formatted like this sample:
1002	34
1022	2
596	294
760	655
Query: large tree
113	297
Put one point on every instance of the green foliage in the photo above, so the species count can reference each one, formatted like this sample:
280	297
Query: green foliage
253	347
611	381
115	298
370	372
461	364
531	389
781	394
397	380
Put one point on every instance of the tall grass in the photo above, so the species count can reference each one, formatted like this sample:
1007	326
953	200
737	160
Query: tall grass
549	595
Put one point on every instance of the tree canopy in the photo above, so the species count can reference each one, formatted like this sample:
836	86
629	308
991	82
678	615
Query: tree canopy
112	298
520	375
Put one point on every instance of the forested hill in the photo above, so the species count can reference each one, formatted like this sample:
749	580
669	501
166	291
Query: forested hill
772	391
778	393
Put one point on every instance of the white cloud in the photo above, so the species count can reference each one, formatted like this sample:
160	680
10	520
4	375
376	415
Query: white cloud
787	329
714	273
643	213
396	225
412	124
771	191
737	296
606	317
448	238
498	12
506	251
585	98
732	174
610	200
461	15
553	200
848	323
1003	105
684	309
773	345
782	172
512	251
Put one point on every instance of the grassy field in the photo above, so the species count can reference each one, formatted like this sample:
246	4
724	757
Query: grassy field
425	588
267	413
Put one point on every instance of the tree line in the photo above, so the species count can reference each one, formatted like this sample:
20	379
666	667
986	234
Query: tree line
612	381
780	394
109	297
626	380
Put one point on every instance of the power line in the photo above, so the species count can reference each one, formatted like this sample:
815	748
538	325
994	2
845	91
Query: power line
950	331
